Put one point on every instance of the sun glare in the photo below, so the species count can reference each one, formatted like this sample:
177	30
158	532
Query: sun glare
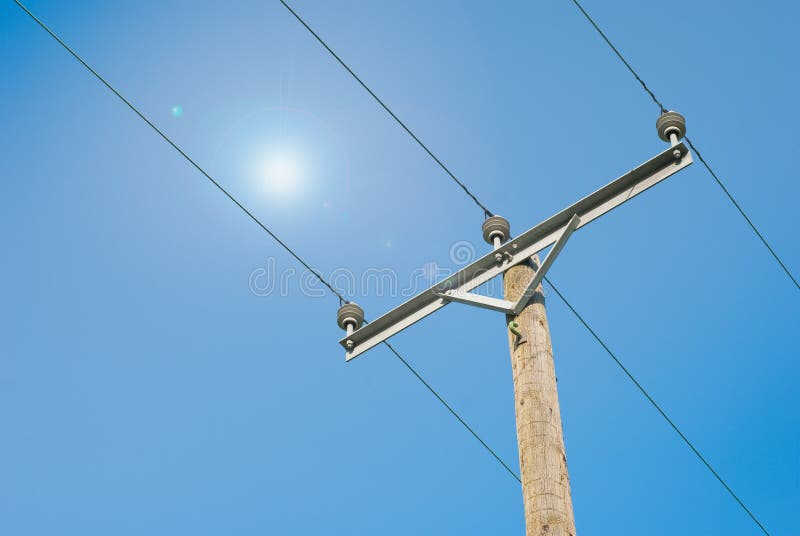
281	175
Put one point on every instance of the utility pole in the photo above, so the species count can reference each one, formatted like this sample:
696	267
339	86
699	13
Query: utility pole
542	457
543	462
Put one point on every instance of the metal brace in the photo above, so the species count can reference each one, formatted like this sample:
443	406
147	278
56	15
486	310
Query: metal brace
515	308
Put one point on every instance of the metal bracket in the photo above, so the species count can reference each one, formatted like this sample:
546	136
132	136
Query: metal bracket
505	306
486	302
526	296
553	230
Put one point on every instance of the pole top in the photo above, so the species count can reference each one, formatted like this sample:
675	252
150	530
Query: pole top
671	123
496	226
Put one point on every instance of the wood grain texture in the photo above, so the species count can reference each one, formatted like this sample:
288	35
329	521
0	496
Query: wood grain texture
542	457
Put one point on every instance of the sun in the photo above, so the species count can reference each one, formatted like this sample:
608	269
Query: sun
282	175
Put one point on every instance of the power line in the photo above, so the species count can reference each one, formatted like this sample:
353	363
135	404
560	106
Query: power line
456	415
574	311
181	152
264	227
741	211
655	405
486	211
621	57
341	297
662	109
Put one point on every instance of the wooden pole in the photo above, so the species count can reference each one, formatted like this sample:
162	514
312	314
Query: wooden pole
542	457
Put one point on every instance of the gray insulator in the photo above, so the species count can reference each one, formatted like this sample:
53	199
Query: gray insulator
671	122
350	313
496	226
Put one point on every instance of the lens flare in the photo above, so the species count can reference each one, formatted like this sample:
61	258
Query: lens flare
177	111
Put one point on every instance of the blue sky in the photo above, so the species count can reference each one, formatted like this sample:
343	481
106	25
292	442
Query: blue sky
146	388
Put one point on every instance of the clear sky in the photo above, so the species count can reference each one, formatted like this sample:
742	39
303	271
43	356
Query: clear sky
155	380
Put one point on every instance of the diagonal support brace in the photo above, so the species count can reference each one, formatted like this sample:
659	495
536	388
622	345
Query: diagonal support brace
505	306
486	302
526	296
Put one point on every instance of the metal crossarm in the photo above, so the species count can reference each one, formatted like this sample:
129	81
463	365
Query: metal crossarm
515	251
